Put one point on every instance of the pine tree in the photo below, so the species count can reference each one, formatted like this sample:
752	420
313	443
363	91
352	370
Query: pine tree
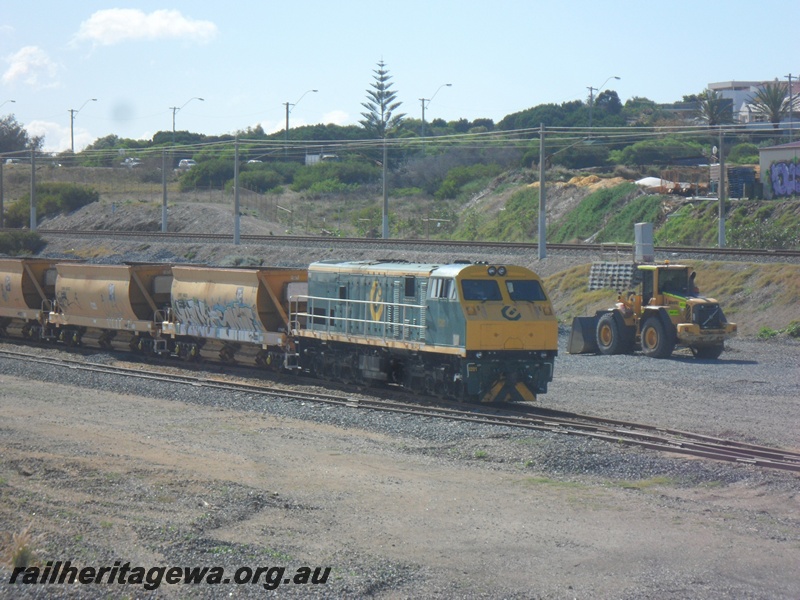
381	120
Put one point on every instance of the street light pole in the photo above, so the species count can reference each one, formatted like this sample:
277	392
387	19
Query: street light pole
288	106
72	113
175	109
427	101
6	102
591	99
791	107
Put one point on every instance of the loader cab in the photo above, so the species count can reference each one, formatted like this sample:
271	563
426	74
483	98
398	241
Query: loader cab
674	281
659	280
647	285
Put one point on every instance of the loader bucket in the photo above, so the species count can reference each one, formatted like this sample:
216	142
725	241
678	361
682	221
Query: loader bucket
583	338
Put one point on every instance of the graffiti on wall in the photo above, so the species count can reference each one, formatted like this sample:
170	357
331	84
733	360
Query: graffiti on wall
785	179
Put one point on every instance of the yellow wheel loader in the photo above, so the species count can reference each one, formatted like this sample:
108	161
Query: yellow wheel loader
666	311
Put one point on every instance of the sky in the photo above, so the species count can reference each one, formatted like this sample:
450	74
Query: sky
149	61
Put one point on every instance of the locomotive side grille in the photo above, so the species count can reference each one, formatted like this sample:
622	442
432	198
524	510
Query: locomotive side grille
423	314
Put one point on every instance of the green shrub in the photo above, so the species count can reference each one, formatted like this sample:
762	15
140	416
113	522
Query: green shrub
767	333
210	173
459	177
667	151
51	199
763	234
21	242
793	329
330	186
348	172
743	154
260	181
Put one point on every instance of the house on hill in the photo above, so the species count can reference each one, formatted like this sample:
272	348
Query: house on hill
741	94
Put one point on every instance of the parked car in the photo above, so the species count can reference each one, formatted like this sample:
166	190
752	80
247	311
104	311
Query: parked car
186	164
131	162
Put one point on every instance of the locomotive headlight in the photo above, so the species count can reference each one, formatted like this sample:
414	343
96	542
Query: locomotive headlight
501	271
492	271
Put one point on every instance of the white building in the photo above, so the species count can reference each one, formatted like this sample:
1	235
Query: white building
742	92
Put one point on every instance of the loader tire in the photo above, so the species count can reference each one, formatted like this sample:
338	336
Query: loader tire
709	352
657	340
613	336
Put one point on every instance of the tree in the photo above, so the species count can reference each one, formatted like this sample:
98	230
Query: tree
771	102
640	111
607	102
381	119
14	138
714	109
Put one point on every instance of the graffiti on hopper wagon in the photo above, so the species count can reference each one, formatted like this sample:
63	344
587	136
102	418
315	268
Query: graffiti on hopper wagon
785	179
226	313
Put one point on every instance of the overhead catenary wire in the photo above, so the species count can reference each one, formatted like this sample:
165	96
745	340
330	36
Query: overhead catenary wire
557	138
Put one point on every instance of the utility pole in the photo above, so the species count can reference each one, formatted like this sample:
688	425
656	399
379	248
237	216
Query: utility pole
542	197
33	190
164	191
721	233
2	222
385	193
236	192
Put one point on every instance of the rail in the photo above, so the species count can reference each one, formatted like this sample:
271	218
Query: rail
450	244
536	419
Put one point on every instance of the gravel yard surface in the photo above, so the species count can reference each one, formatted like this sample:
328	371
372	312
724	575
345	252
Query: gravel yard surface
107	468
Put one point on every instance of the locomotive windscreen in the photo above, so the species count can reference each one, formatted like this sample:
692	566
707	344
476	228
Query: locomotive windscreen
481	289
525	290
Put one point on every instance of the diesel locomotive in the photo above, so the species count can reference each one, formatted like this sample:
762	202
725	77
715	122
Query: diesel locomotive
476	332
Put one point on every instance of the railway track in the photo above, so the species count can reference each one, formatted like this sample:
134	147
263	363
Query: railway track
177	237
621	432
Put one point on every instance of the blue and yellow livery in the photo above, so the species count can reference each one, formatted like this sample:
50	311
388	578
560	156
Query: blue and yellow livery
466	331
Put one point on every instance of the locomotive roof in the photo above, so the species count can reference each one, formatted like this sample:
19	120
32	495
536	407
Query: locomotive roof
369	267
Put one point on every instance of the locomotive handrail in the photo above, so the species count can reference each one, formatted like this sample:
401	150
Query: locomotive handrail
402	325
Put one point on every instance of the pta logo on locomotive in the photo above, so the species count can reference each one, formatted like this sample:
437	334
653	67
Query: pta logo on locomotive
511	313
376	296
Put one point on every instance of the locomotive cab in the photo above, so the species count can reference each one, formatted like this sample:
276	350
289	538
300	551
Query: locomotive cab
511	332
